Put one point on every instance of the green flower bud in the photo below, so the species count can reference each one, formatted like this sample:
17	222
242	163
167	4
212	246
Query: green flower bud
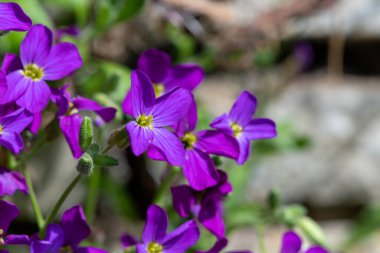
85	165
86	133
312	231
119	138
292	214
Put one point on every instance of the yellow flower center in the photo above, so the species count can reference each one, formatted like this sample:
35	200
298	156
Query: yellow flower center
145	121
33	72
72	110
236	129
154	247
189	140
158	89
1	131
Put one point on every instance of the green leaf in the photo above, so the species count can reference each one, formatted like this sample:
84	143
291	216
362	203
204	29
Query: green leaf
105	161
129	9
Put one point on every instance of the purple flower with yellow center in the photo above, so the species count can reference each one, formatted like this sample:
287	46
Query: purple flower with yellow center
11	181
66	236
13	18
8	212
239	123
11	126
220	245
69	118
164	76
198	167
207	206
155	238
40	62
153	116
292	243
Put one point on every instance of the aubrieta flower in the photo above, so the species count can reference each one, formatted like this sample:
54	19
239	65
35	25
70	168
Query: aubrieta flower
11	126
13	18
40	61
69	118
11	181
155	238
220	245
8	212
153	116
66	236
164	76
292	243
207	206
239	123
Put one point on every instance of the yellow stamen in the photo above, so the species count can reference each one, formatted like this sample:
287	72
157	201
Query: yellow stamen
158	89
1	231
189	140
154	247
236	129
1	131
33	72
145	121
72	110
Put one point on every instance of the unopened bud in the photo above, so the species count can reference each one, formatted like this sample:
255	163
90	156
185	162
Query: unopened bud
312	231
86	133
85	165
119	138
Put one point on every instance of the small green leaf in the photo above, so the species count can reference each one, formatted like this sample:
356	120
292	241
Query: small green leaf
105	161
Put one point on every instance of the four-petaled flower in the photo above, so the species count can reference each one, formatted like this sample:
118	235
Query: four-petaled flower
40	62
153	116
13	18
239	123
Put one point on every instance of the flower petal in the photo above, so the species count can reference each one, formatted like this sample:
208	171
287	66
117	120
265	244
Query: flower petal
155	64
156	225
17	240
126	105
36	123
63	60
89	250
245	149
291	243
218	246
316	249
141	248
142	93
61	98
211	216
183	200
8	212
243	109
74	226
222	123
171	107
36	97
189	122
107	113
170	146
36	46
141	137
11	63
127	240
17	85
52	242
16	121
12	17
11	181
260	129
199	170
187	76
217	143
155	153
182	238
12	141
3	83
70	126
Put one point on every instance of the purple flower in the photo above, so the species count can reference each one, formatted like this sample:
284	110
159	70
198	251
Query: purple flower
40	62
8	212
239	123
158	67
69	118
219	246
11	181
208	209
155	238
153	116
69	30
67	235
11	126
291	243
198	167
13	18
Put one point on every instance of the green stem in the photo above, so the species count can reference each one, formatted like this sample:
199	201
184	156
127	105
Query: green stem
262	246
33	199
173	171
37	146
59	203
93	194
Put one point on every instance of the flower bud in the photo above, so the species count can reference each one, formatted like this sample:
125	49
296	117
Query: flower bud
119	138
85	165
312	231
292	214
86	133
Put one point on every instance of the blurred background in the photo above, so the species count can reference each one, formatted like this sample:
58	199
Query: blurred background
314	66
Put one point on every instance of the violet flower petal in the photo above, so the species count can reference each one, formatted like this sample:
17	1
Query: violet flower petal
155	153
245	149
89	250
143	97
187	76
61	98
243	109
11	181
217	143
142	248
36	123
182	238
13	18
36	46
17	85
291	243
126	105
211	217
183	200
3	83
74	226
12	141
16	121
8	212
156	225
63	60
11	63
141	137
36	96
260	129
217	247
189	122
155	64
199	170
222	123
316	249
128	240
70	126
17	240
170	146
107	113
